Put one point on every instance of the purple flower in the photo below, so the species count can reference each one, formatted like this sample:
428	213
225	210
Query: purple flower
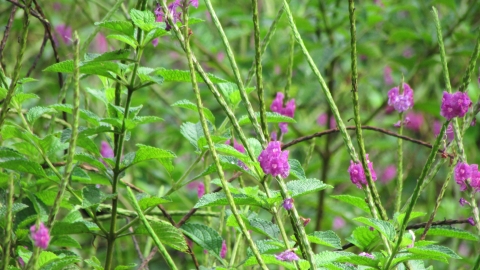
21	262
471	221
277	103
288	203
401	101
173	10
463	202
437	126
454	105
273	136
240	149
387	75
288	110
357	174
200	190
194	3
101	43
65	32
223	251
322	120
305	221
287	255
274	161
106	151
415	121
283	127
338	223
462	173
389	174
40	236
155	42
475	177
408	52
368	255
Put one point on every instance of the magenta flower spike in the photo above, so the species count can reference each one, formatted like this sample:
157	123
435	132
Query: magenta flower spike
65	32
454	105
338	223
223	251
101	43
200	190
387	75
475	177
401	101
106	151
274	161
389	174
357	174
462	173
288	256
277	104
40	236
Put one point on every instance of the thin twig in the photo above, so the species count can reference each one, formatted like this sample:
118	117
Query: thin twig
7	31
42	48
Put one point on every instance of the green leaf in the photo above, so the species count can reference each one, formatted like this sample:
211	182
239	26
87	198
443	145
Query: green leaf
272	117
219	198
306	186
267	247
175	75
157	32
48	196
450	232
167	233
192	132
384	227
123	27
45	257
23	165
434	251
16	207
353	200
296	169
270	259
60	263
93	196
145	78
208	238
65	241
326	238
143	19
89	159
231	91
327	257
20	98
258	225
146	152
96	68
401	217
186	104
86	115
123	267
255	145
363	237
148	201
352	258
227	149
125	39
67	228
121	54
95	263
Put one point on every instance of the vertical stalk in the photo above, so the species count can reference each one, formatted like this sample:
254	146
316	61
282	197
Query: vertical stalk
356	110
9	222
291	50
152	233
416	193
73	138
211	146
398	200
258	69
18	64
236	72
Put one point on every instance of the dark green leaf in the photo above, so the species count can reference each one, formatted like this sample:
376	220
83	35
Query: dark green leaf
384	227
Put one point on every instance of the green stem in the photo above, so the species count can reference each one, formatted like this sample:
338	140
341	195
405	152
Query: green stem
236	72
9	222
398	200
152	233
179	183
18	64
291	51
416	194
477	263
211	146
356	110
258	69
73	138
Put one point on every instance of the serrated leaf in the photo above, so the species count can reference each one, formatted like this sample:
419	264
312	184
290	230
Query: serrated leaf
353	200
44	258
434	251
123	27
148	201
146	152
95	263
352	258
399	218
231	91
192	132
363	237
67	228
270	259
89	159
86	115
93	196
124	267
296	169
121	54
219	198
176	75
144	78
272	117
325	238
60	263
65	241
96	68
228	150
384	227
36	112
159	31
306	186
168	234
125	39
23	165
16	207
186	104
267	247
208	238
450	232
258	225
48	198
20	98
143	19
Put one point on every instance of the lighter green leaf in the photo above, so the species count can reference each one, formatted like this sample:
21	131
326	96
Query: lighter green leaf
175	75
434	250
143	19
186	104
123	27
272	117
146	152
125	39
267	247
363	237
219	198
93	196
384	227
121	54
450	232
306	186
296	169
167	233
65	241
36	112
353	200
60	263
326	238
413	215
271	260
208	238
148	201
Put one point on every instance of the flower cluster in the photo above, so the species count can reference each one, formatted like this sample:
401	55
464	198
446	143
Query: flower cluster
240	149
288	110
174	9
288	203
40	236
223	251
454	105
465	173
65	33
357	174
274	161
287	255
401	101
